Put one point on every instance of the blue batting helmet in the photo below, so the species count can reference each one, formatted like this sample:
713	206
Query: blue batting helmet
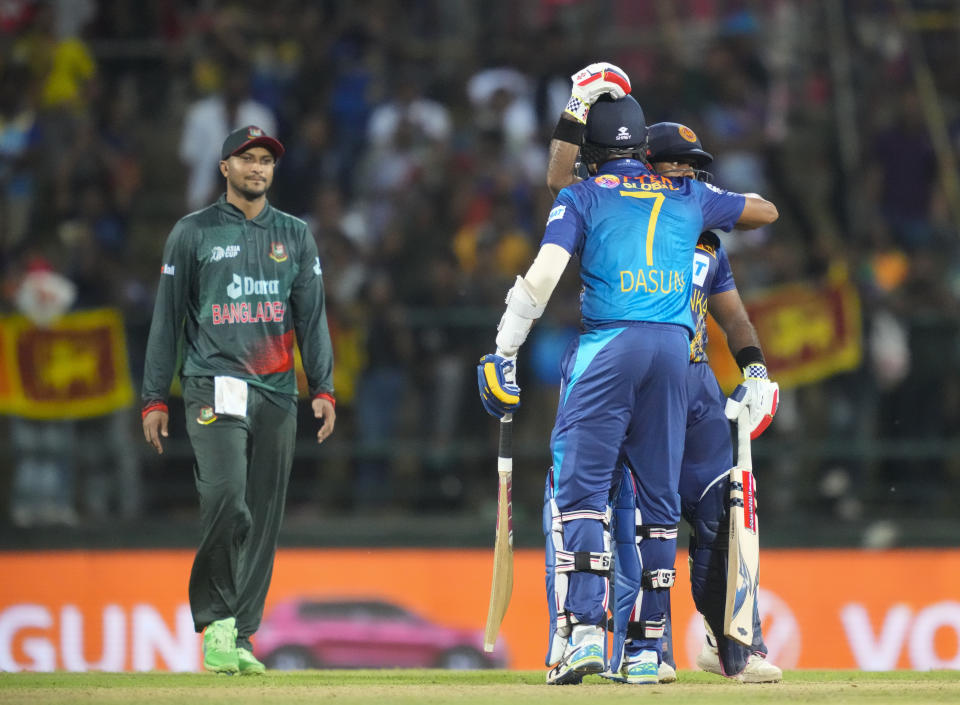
668	141
616	124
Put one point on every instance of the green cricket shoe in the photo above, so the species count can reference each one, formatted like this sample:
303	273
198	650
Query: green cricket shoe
220	646
248	663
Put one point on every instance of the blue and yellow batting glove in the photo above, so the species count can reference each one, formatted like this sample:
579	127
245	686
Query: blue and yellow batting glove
497	380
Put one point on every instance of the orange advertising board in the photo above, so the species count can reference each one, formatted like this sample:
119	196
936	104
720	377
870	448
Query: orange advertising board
127	610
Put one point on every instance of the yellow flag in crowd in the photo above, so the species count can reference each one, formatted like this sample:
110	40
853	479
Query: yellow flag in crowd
75	368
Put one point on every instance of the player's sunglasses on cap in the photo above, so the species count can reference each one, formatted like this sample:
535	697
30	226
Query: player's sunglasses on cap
247	137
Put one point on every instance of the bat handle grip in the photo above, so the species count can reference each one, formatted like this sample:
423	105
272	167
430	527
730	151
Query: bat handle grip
505	452
744	458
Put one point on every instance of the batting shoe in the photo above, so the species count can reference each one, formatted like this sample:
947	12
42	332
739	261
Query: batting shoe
582	656
641	669
757	670
666	673
220	646
248	663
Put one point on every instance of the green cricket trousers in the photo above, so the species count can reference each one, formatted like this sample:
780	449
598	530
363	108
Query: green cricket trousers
241	472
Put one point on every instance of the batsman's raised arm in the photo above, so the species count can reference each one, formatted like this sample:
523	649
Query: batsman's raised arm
589	83
564	148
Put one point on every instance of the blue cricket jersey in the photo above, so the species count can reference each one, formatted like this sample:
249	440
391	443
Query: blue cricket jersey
635	233
711	275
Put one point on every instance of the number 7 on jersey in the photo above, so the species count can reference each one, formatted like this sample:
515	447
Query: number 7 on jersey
658	199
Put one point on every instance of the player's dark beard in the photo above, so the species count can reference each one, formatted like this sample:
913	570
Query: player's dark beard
246	193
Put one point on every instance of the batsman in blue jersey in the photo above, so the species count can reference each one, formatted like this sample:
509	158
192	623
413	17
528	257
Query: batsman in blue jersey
674	150
623	395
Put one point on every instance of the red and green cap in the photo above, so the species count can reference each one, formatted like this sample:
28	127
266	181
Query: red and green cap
250	136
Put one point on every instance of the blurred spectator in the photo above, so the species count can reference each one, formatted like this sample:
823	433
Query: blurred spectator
907	174
208	121
502	103
409	109
19	140
417	137
381	393
45	472
308	165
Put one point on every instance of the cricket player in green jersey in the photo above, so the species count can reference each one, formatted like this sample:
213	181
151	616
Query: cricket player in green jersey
239	279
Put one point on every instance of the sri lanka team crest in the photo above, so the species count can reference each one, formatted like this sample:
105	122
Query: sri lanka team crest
206	416
278	253
607	181
687	133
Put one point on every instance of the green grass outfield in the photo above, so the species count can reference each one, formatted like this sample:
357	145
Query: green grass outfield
469	688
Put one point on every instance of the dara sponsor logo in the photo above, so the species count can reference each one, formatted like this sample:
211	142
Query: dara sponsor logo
248	286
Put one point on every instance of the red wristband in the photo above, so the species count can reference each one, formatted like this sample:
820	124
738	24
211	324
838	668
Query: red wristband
328	397
154	406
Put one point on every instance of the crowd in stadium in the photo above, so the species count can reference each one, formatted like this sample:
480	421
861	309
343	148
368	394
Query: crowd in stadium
416	136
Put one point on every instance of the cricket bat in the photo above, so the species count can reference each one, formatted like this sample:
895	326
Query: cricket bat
502	586
743	561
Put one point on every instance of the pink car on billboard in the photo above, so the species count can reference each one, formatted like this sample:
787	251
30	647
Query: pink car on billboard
349	633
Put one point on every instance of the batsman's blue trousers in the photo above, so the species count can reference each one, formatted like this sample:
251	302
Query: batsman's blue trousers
623	397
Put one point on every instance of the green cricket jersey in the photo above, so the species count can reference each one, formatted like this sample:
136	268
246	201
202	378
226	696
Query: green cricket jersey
236	291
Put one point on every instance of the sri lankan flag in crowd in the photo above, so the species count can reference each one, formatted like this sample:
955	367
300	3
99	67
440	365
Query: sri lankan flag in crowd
808	332
76	368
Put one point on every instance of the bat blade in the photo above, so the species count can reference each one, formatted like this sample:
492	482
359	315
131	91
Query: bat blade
744	545
501	587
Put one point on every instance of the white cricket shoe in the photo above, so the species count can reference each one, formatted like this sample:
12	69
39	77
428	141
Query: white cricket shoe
582	656
709	658
757	670
666	673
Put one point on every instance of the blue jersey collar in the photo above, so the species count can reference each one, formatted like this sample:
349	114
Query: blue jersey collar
624	166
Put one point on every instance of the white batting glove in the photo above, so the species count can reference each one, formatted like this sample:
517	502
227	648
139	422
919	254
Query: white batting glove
758	395
592	82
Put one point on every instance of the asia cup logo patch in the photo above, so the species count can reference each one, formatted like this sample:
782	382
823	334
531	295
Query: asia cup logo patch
607	181
687	133
206	416
278	253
